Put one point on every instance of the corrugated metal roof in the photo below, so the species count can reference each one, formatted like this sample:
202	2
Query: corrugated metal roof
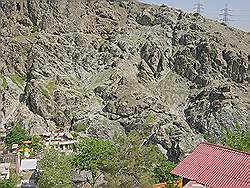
216	166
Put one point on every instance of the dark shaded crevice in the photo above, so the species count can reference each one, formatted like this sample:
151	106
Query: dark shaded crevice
29	6
32	16
174	152
18	7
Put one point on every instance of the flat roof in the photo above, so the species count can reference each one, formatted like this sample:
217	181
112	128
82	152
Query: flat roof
28	164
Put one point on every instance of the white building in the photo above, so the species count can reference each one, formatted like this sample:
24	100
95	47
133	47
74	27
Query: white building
28	172
28	164
60	140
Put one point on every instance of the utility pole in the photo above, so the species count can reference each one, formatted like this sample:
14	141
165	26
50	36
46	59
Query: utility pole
198	7
226	14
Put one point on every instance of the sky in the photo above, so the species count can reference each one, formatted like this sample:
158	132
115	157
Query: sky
240	9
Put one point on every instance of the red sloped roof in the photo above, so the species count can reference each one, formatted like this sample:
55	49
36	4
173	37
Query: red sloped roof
216	166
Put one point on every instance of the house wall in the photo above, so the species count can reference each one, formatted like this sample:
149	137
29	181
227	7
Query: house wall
185	181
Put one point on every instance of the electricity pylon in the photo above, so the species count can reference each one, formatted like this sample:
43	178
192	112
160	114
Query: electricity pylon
198	7
226	14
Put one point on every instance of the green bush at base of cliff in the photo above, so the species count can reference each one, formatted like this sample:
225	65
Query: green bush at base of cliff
161	173
57	170
18	134
80	127
237	139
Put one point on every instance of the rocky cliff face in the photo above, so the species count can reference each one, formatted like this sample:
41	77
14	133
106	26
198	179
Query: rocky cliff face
116	66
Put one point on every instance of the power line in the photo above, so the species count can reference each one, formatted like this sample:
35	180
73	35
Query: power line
226	14
199	7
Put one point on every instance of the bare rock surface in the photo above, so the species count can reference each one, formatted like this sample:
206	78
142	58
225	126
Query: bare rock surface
117	66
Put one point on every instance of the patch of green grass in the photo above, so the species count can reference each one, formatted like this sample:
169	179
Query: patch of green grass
48	90
19	80
20	16
149	120
21	38
51	86
209	138
108	29
34	29
75	135
169	131
213	53
52	40
80	127
45	93
4	81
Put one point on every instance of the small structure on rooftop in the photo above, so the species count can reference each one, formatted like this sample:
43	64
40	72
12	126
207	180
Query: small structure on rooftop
14	148
212	165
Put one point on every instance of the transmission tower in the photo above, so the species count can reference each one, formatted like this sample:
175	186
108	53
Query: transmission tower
226	14
198	7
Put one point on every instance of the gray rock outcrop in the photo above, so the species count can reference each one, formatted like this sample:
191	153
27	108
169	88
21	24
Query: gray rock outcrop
117	66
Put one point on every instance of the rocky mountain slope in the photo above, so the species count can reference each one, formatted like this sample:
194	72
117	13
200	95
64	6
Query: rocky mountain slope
112	66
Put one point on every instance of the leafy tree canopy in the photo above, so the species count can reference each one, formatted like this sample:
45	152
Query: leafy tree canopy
132	164
56	170
161	173
16	136
94	155
238	138
124	162
10	183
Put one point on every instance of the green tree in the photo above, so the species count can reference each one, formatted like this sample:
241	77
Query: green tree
238	138
36	144
132	164
94	155
56	170
161	173
10	183
16	136
7	183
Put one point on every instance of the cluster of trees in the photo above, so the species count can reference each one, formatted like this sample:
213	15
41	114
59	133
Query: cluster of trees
57	170
237	139
123	162
18	134
10	183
